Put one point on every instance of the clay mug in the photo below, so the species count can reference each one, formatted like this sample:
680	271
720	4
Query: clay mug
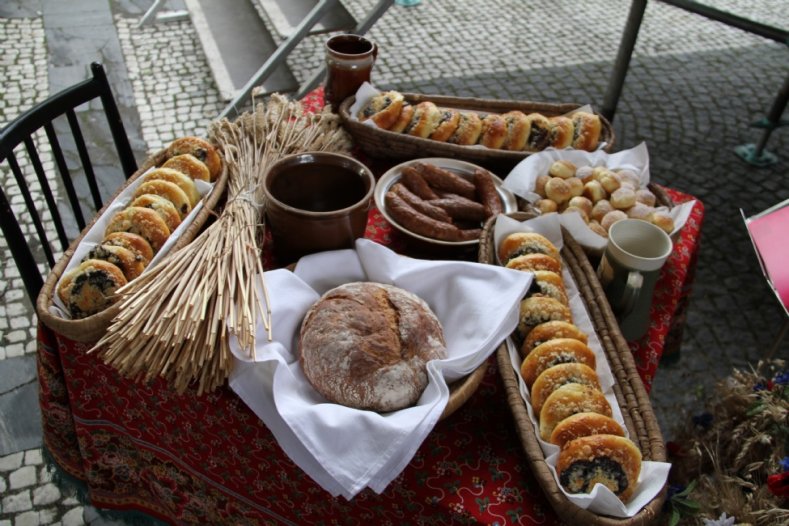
629	269
349	62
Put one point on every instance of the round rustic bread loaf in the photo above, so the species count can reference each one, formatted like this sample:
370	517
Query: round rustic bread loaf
365	345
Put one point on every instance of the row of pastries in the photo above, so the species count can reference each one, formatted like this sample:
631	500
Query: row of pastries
512	130
137	232
560	371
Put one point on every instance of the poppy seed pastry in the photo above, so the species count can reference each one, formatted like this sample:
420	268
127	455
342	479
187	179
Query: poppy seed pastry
190	165
494	131
161	206
447	125
560	374
518	126
424	120
561	132
535	262
366	345
143	222
468	130
121	257
180	179
169	191
549	284
134	242
200	148
554	352
522	243
383	109
582	425
404	119
90	287
568	400
539	133
610	460
535	310
586	131
551	330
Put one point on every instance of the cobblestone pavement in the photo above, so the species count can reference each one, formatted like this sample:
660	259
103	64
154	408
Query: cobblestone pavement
693	88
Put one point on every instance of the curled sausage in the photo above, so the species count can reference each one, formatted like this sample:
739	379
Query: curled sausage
413	180
461	208
486	190
444	180
421	224
420	204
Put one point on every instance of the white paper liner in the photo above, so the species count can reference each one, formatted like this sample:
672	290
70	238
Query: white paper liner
653	474
343	449
521	181
95	235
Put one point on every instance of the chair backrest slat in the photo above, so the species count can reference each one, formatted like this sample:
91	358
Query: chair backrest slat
22	130
65	175
31	210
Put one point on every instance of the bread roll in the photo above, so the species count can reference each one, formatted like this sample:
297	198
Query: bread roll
600	209
468	130
584	173
584	203
424	120
594	191
557	189
586	131
645	195
494	131
554	377
539	309
583	425
200	148
551	330
539	132
143	222
521	243
610	460
90	287
190	165
561	132
576	187
562	168
568	400
161	206
383	109
662	220
169	191
554	352
447	125
546	206
183	181
365	345
134	242
534	262
612	217
404	119
623	198
517	130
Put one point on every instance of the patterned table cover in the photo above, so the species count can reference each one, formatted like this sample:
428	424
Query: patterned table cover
205	460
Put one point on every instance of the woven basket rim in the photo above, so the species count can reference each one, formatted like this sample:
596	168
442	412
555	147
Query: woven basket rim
629	390
91	328
384	143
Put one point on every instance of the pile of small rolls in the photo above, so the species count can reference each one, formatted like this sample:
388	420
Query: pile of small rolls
512	130
135	234
559	369
602	196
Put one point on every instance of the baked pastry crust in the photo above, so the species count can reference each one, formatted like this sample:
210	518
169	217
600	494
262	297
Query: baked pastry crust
143	222
551	330
551	285
134	242
189	165
582	425
539	132
121	257
468	130
200	148
366	345
424	120
561	132
170	191
403	119
518	127
494	131
554	352
161	206
568	400
183	181
535	310
587	129
560	374
522	243
535	262
447	125
383	109
611	460
90	287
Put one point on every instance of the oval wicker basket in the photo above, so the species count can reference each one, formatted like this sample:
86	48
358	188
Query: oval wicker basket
92	328
629	390
379	143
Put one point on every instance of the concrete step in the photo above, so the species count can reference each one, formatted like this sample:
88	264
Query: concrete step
237	43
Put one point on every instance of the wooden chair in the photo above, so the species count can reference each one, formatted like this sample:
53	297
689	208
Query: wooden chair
23	212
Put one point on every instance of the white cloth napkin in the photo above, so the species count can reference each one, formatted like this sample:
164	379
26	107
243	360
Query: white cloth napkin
344	449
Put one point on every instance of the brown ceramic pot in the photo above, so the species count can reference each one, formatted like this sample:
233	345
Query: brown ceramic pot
316	201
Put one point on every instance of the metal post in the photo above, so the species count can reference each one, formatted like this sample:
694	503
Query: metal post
756	154
278	56
626	46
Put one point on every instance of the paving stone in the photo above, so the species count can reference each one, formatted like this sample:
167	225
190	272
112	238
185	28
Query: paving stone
22	477
28	518
73	517
47	494
17	502
11	462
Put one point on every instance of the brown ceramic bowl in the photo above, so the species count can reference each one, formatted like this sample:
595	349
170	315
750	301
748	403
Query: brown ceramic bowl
316	201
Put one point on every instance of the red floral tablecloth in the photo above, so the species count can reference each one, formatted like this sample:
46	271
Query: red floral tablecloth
209	460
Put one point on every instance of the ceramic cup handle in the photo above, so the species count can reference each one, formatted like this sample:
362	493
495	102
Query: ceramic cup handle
635	280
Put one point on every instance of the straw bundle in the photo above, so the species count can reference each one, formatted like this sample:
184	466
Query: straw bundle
176	320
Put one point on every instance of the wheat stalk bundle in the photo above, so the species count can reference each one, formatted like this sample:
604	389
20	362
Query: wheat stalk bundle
176	320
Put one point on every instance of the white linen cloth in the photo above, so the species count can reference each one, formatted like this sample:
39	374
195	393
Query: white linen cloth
343	449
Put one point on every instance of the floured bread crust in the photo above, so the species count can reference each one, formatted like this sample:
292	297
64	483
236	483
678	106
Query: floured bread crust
366	345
